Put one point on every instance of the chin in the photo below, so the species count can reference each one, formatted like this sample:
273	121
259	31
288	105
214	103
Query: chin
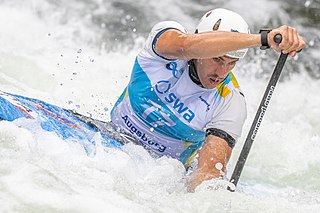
211	86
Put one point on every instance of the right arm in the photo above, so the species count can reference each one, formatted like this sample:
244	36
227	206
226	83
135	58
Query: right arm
174	44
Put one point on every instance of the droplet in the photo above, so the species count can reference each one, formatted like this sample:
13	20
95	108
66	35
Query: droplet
79	51
307	3
219	166
134	30
151	129
311	43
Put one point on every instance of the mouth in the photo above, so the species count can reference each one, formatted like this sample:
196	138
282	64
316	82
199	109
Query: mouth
214	80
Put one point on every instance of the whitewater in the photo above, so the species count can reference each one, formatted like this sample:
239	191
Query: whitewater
79	55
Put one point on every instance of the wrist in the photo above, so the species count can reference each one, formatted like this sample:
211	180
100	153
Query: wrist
264	39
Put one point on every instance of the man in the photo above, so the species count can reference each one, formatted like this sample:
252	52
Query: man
183	99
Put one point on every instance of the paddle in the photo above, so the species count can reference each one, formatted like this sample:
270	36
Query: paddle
259	115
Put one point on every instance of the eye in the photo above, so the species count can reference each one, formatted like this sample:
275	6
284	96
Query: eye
232	63
216	59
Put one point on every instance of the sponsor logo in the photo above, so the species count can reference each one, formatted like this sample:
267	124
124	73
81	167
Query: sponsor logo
163	86
142	136
173	67
263	110
205	102
165	120
235	31
180	107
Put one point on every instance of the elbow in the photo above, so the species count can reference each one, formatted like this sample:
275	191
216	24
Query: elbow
179	48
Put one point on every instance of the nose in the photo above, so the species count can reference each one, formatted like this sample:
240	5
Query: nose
222	70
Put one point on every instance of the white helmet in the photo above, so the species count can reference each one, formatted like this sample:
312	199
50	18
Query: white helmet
224	20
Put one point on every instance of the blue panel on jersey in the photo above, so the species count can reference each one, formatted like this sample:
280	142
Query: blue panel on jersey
143	99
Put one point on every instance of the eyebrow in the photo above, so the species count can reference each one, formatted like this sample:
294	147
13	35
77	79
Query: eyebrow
224	60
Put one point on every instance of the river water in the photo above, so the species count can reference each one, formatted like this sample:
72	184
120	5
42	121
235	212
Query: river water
79	54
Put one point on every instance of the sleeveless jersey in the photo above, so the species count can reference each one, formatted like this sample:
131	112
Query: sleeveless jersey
167	112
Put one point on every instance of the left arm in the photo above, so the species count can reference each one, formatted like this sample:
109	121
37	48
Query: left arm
214	154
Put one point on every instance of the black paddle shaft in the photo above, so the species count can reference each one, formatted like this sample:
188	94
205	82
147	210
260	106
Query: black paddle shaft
259	115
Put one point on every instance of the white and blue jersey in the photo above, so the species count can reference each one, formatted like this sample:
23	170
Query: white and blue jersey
166	111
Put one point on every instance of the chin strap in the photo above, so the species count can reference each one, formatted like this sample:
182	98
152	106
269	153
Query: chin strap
193	73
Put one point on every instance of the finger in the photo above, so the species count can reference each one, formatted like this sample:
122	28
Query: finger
284	33
293	53
294	41
302	43
288	46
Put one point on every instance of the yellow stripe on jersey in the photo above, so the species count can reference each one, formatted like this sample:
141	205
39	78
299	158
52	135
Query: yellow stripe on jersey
225	87
191	158
126	95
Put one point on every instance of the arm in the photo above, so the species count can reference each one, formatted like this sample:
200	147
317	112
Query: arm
174	44
215	152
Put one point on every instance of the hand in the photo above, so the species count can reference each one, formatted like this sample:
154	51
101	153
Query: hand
291	43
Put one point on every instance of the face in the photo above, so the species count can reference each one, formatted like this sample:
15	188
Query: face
212	71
